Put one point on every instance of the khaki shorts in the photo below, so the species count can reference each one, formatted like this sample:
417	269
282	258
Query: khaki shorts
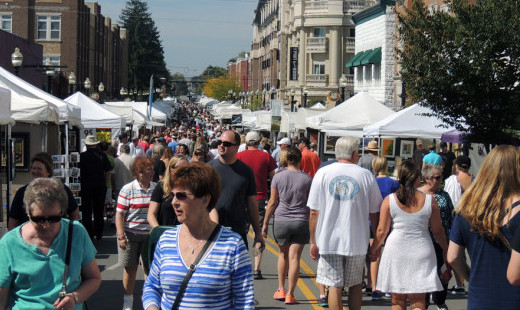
130	257
338	270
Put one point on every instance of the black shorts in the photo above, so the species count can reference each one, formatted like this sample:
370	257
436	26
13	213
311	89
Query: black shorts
291	232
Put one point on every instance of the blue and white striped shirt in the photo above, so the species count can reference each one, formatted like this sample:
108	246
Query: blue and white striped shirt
223	278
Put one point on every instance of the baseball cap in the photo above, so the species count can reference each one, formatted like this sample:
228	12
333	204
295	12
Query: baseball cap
304	140
418	142
286	141
463	161
252	136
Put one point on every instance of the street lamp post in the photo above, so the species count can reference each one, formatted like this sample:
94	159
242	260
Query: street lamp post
101	89
72	81
264	92
342	85
87	84
305	94
123	92
50	74
16	60
292	93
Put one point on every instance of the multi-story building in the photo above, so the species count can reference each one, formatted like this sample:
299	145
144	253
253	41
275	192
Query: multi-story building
302	44
240	70
374	62
75	36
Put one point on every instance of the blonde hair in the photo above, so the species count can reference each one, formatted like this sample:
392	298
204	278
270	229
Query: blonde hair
167	182
380	165
487	201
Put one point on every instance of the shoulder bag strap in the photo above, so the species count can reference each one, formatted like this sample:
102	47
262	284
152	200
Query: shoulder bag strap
193	266
63	291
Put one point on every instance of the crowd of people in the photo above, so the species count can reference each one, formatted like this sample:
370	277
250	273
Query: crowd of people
210	185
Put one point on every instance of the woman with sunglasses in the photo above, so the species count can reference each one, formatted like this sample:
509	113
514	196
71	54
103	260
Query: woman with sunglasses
32	256
432	186
223	278
41	167
160	211
132	224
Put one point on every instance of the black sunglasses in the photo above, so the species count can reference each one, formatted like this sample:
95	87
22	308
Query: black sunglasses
225	143
180	195
437	177
43	219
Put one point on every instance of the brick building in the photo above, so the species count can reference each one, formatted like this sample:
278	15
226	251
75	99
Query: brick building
75	36
240	70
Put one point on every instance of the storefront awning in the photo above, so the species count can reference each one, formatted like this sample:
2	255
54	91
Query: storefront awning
366	57
355	59
373	57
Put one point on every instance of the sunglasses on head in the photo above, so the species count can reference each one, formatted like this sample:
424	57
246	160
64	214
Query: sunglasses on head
181	195
43	219
437	177
225	143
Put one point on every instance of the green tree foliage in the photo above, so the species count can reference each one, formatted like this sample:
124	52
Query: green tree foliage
466	65
211	72
219	87
146	54
180	84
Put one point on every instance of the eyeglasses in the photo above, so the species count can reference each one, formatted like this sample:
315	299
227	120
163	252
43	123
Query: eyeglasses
43	219
181	195
437	177
225	143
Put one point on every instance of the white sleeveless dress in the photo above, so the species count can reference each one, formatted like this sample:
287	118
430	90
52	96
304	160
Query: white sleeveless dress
408	263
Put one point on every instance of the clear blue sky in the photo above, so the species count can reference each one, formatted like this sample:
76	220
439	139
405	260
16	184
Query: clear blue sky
197	33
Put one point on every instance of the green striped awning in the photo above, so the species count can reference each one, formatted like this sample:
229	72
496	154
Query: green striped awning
356	58
373	57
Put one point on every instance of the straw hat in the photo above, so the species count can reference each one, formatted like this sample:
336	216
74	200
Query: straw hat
91	140
372	146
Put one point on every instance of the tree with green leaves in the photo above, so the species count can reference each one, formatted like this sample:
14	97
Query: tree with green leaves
211	72
219	88
146	54
180	84
465	65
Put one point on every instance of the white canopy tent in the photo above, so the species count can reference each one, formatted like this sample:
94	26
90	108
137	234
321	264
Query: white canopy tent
409	123
67	112
303	115
5	107
94	115
351	116
263	120
288	122
319	106
124	111
138	118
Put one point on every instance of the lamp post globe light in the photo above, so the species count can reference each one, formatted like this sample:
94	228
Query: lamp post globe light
272	91
123	92
342	85
101	89
17	60
305	94
72	81
87	84
50	74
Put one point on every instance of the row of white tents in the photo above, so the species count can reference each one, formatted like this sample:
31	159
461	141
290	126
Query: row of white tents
360	116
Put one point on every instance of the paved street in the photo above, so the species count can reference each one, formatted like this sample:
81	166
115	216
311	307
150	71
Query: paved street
109	296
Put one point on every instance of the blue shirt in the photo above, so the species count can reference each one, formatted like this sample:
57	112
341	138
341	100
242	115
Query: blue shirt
488	285
223	278
387	185
35	278
432	158
173	145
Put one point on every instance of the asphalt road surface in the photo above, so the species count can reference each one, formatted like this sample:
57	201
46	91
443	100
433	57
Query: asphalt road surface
110	294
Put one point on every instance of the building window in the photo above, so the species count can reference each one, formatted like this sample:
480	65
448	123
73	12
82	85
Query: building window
49	27
320	32
52	60
6	22
352	32
318	69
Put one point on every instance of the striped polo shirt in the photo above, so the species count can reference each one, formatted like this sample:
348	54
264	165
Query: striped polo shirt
223	278
133	203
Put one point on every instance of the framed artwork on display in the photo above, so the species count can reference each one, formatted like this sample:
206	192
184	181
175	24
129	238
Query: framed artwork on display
20	151
406	149
330	144
388	147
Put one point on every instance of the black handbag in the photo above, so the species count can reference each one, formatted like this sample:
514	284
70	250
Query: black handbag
193	266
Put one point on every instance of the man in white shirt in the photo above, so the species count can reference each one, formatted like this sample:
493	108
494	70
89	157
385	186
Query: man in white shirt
343	196
135	148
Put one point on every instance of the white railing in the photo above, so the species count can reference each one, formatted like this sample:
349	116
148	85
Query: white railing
315	45
352	6
317	78
350	44
350	79
316	5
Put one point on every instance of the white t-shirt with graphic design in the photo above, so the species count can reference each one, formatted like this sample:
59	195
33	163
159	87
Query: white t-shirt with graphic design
344	194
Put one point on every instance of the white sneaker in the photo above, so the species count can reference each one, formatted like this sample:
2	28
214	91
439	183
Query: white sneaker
128	303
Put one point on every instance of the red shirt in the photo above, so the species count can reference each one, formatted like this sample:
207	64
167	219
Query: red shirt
310	163
145	145
262	163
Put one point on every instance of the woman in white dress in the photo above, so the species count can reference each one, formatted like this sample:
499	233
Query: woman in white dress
408	266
